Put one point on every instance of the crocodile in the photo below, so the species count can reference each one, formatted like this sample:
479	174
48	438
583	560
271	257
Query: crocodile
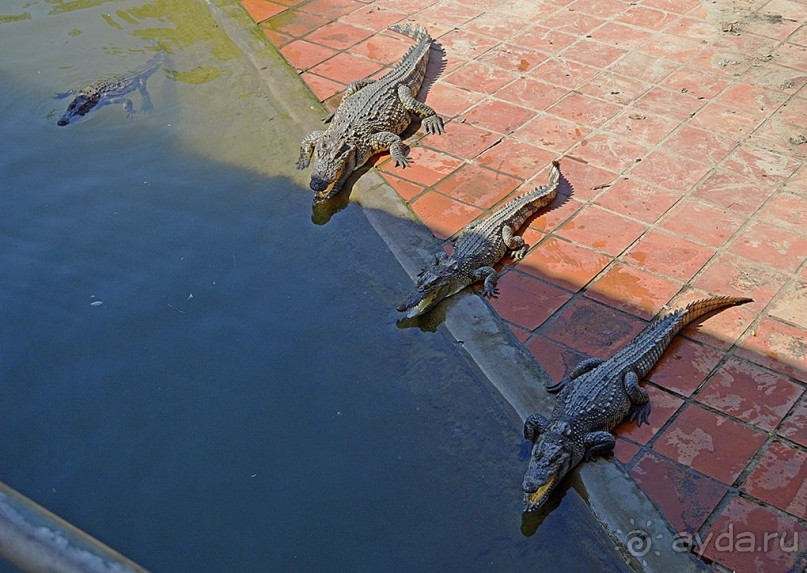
477	248
370	119
596	396
111	90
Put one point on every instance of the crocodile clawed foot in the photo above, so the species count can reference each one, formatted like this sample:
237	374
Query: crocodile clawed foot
519	253
433	125
303	162
490	292
402	162
640	414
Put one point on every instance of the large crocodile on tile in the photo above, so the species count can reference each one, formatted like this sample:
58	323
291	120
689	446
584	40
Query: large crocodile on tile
370	119
595	397
477	248
110	91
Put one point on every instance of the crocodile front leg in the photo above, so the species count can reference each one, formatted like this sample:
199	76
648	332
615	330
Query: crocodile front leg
351	89
145	104
640	401
430	121
491	278
579	370
384	140
307	148
518	248
534	426
598	444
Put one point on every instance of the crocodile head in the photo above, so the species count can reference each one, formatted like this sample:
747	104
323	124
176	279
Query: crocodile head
434	284
336	160
79	107
553	455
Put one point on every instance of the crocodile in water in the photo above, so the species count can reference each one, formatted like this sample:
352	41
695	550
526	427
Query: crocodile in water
370	118
595	397
112	90
478	247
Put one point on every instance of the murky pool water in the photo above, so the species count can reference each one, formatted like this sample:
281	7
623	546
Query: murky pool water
193	372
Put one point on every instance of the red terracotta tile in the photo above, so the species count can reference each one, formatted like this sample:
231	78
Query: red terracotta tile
520	159
695	82
773	24
760	164
557	360
526	301
699	145
571	22
685	497
556	214
633	290
749	98
480	78
668	255
442	215
769	245
793	56
750	394
778	346
550	132
519	333
777	136
564	264
546	40
684	366
323	88
672	104
775	77
601	8
498	116
330	8
668	171
747	538
725	120
791	305
671	48
346	68
592	53
701	222
564	73
531	94
786	210
513	58
601	230
620	36
733	192
260	10
592	328
464	45
722	329
676	6
462	139
450	14
381	49
479	186
694	29
584	110
709	443
648	68
641	127
648	18
303	55
637	200
586	181
731	275
376	18
427	166
450	101
795	425
615	88
405	189
608	151
625	451
338	36
292	23
663	406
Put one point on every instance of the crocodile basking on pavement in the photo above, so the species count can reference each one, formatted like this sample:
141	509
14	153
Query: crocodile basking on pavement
110	91
478	247
370	118
595	397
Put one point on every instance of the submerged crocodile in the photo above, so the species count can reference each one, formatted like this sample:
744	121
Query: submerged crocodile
478	247
595	397
370	118
110	91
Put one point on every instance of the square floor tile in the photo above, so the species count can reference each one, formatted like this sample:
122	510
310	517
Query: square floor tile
462	139
426	167
498	116
406	189
684	366
648	18
564	264
709	443
597	54
303	55
672	48
557	213
330	8
791	305
608	151
625	451
338	36
526	301
260	10
699	221
346	68
663	406
733	192
531	94
633	290
571	22
377	18
649	68
638	201
641	127
584	110
478	186
764	166
564	73
695	82
622	36
615	88
669	255
557	360
583	180
382	49
517	158
551	132
699	145
323	88
442	215
795	425
513	58
449	101
733	276
786	210
601	230
778	346
481	78
546	40
772	246
668	171
668	103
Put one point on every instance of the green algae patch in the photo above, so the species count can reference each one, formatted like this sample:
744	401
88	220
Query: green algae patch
62	6
200	75
9	18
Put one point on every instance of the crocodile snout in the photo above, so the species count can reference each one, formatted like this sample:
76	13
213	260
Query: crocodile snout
318	184
62	122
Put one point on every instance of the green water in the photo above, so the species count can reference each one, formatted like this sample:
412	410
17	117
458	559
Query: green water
241	399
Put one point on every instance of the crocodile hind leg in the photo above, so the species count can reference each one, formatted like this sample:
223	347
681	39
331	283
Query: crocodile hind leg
429	120
307	148
145	104
580	369
352	88
491	277
640	401
387	140
598	443
128	106
518	248
534	426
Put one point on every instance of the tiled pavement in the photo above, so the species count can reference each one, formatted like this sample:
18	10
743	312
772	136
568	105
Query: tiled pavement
681	128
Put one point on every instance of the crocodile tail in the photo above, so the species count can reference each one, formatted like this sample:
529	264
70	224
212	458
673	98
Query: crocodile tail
695	310
414	31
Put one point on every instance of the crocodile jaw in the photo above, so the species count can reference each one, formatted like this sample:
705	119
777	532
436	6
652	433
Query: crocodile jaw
419	302
536	499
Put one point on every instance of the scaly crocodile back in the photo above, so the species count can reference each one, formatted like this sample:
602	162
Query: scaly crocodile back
411	68
647	348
